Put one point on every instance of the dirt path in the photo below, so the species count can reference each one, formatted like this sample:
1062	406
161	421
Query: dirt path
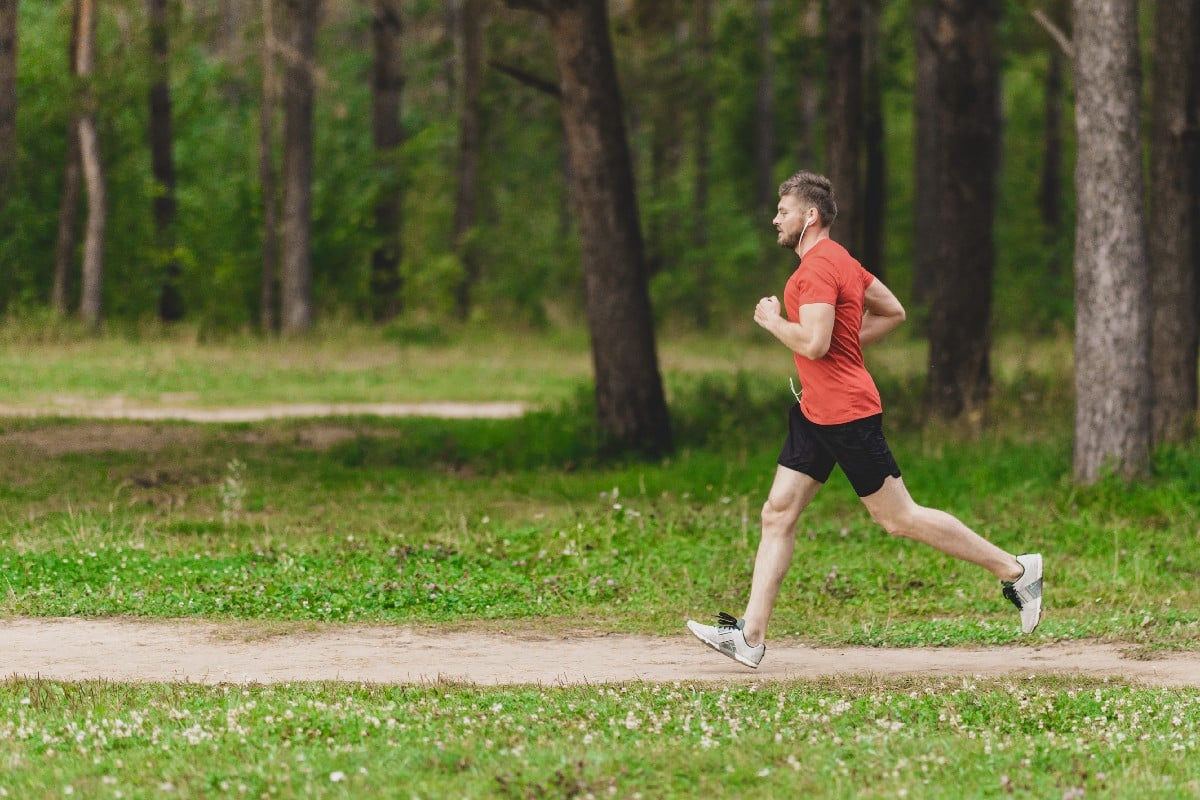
116	409
206	652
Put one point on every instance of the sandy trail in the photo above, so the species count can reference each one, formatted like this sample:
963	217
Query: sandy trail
116	409
120	649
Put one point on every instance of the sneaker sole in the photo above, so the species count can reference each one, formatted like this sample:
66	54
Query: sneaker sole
724	652
1035	606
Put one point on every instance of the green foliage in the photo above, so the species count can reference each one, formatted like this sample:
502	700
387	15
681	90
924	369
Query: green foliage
525	239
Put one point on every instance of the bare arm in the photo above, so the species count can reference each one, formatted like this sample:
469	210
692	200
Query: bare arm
809	336
882	313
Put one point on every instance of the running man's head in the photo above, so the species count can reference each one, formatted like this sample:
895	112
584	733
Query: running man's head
805	200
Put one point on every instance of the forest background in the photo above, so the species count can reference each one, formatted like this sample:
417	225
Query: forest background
436	164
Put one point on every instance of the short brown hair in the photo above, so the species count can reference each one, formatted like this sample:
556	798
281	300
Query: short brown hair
813	188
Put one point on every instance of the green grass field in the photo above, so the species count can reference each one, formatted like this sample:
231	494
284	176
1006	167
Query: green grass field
520	522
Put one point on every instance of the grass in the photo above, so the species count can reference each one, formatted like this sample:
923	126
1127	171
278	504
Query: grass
522	523
921	738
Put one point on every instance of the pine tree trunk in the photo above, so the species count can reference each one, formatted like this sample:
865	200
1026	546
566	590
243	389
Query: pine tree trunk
470	23
301	21
968	134
630	404
808	87
1175	219
844	123
387	86
928	163
874	201
170	301
1112	280
91	293
68	208
8	100
1050	188
765	184
267	175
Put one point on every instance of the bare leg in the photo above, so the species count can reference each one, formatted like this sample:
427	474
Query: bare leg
894	509
790	494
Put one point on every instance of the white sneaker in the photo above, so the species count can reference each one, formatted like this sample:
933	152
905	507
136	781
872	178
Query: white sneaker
1026	591
726	637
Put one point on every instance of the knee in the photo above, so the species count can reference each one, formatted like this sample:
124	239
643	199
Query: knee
903	523
778	516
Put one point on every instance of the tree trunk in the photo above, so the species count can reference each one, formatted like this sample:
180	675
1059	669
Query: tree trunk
387	85
808	87
301	22
928	153
844	121
968	133
765	185
268	177
630	404
1112	280
170	301
68	208
1175	219
470	25
1050	190
8	99
90	302
702	308
874	205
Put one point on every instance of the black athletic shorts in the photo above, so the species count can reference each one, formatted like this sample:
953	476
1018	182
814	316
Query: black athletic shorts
858	447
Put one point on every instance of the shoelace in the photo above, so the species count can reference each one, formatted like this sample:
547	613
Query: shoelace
725	620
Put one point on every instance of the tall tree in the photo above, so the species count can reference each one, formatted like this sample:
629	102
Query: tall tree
469	24
765	184
1112	280
301	19
1050	184
8	97
844	121
807	88
268	177
702	154
874	196
91	297
162	157
1175	218
630	403
387	85
968	126
927	155
72	188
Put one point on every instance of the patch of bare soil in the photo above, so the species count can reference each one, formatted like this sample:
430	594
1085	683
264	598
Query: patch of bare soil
208	652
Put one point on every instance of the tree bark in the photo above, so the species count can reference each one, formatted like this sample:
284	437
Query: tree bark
170	301
1112	281
8	99
301	22
874	201
808	87
765	185
968	133
928	165
90	302
630	404
844	123
470	25
1175	219
702	308
268	177
387	86
68	209
1050	189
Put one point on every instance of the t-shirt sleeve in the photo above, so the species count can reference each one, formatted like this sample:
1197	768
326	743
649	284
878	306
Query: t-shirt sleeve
817	284
867	278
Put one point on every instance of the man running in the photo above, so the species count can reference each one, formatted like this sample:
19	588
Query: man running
834	309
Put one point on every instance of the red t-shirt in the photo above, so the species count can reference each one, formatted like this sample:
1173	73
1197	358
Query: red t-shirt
836	387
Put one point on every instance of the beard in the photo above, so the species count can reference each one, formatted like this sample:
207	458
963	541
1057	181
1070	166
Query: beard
788	241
